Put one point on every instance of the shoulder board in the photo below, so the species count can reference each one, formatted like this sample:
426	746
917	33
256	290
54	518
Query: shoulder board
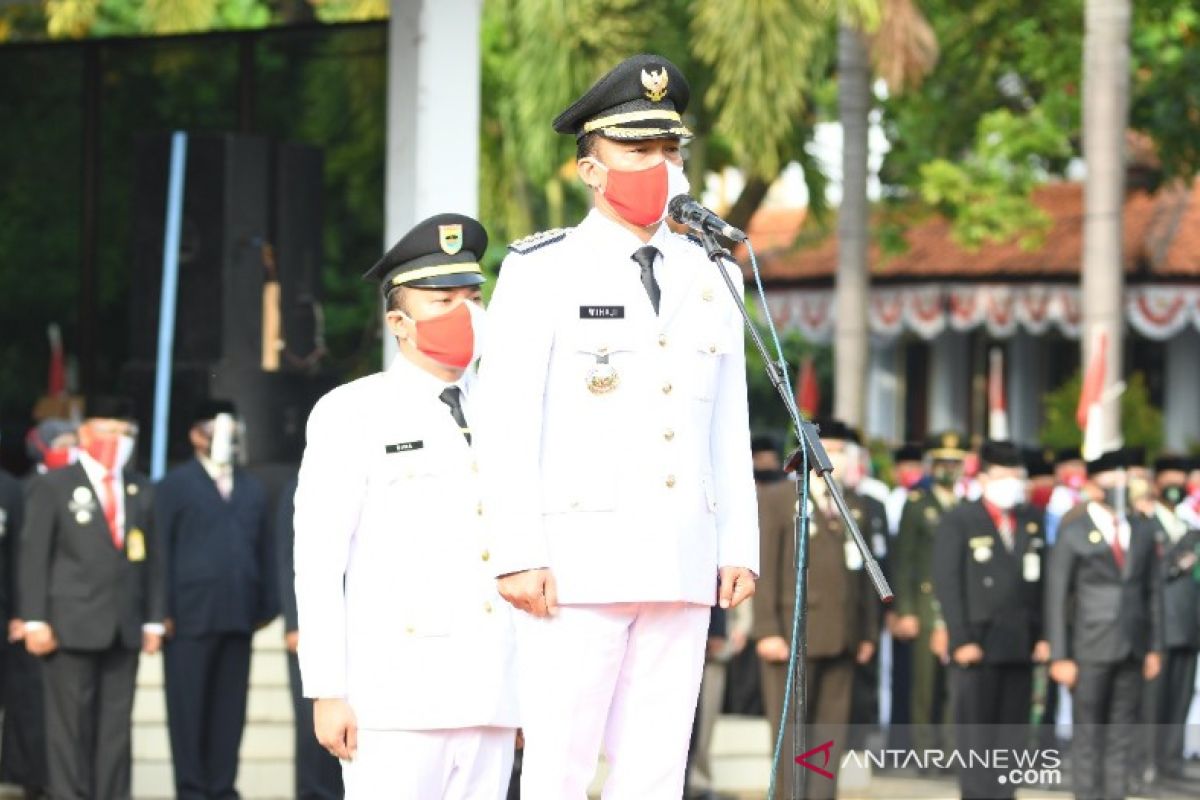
538	240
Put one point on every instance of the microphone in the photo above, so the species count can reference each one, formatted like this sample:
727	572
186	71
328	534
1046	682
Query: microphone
687	211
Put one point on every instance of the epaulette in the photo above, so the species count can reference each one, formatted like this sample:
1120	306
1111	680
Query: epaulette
538	240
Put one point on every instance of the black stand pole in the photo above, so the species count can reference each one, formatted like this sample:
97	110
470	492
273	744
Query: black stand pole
818	461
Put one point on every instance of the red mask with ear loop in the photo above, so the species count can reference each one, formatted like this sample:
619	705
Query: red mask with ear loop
448	339
638	196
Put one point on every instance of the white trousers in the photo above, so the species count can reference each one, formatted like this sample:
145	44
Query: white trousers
622	675
459	764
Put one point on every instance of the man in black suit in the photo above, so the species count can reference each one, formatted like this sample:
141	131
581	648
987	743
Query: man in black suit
987	575
91	594
221	577
1104	622
318	774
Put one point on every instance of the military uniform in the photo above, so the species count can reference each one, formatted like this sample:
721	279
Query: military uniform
1104	612
990	593
616	452
913	561
931	706
397	606
842	613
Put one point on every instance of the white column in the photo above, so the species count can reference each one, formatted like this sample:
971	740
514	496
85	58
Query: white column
432	155
1181	402
883	392
1025	385
948	382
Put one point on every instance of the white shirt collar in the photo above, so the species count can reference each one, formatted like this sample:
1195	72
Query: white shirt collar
214	469
617	237
413	377
96	471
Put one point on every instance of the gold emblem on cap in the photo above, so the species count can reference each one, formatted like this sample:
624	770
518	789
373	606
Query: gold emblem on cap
951	440
602	378
656	84
450	238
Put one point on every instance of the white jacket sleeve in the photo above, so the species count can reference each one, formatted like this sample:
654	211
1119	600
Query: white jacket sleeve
329	497
511	394
733	469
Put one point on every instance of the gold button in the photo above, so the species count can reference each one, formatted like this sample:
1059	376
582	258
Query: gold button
666	388
487	608
485	555
670	481
712	348
662	340
668	434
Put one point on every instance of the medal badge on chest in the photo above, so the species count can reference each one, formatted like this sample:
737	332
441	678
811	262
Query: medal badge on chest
983	554
602	378
82	505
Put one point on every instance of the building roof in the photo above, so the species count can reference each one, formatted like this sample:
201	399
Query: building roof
1161	241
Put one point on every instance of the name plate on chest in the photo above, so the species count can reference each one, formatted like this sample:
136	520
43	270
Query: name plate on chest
403	447
602	312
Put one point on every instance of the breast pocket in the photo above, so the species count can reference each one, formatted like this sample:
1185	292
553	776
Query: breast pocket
708	354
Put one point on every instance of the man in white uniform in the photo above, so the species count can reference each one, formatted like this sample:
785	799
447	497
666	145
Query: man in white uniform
407	648
616	456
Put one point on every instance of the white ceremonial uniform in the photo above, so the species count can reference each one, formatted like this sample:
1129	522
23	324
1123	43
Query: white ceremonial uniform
395	593
615	450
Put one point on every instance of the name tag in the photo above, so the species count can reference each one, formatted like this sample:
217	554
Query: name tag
602	312
403	447
135	545
1031	567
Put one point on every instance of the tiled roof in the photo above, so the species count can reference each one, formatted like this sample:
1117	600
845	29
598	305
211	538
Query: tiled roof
1161	240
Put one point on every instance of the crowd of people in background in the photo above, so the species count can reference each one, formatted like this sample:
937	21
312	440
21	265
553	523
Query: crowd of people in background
1032	590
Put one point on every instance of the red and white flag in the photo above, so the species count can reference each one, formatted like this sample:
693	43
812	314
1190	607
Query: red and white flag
808	392
1093	397
56	379
997	406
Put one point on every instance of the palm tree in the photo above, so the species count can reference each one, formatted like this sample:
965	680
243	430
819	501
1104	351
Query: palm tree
903	50
1106	69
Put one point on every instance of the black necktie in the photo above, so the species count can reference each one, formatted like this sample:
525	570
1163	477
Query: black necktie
645	256
452	396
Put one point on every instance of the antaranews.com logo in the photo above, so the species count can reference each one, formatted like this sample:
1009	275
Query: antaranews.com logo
1029	767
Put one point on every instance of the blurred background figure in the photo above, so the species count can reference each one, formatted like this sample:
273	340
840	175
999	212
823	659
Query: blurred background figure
91	597
51	444
987	575
918	615
843	609
318	773
216	533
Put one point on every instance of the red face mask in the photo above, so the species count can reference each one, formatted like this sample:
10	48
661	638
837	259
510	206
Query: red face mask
909	477
448	339
58	457
639	196
104	449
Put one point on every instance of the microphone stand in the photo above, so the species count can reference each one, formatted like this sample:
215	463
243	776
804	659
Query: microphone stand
818	461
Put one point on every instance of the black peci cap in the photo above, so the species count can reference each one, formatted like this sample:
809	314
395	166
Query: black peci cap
995	453
443	252
1039	462
1107	462
831	428
1173	463
108	407
764	443
643	97
207	410
1068	454
909	451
